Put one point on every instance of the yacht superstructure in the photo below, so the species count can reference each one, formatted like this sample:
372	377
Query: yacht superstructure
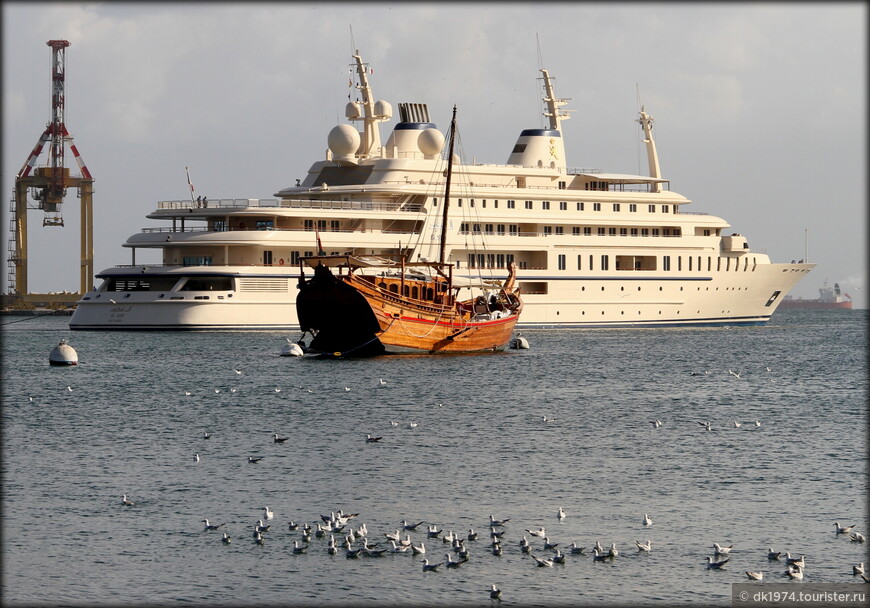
593	249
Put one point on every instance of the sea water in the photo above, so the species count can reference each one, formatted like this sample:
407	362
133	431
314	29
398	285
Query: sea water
121	422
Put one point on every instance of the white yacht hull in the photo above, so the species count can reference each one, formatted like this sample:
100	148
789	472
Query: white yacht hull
726	298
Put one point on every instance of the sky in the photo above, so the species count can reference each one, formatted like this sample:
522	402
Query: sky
760	109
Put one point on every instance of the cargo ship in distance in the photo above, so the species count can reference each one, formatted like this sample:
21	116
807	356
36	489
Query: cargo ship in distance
830	298
592	249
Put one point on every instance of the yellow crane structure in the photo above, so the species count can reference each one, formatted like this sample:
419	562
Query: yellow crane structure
48	185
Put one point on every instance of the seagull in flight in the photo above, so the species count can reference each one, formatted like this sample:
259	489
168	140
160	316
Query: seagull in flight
736	375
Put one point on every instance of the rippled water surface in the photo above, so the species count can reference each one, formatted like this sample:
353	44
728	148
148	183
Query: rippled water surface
480	447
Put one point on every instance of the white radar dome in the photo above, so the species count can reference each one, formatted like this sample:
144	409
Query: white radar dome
383	109
431	141
343	141
353	110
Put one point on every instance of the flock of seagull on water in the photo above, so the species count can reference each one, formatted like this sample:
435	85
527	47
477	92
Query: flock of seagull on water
356	543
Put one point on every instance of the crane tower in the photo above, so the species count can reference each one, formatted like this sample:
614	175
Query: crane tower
47	184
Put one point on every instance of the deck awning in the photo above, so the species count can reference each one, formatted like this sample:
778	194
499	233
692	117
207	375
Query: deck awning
623	178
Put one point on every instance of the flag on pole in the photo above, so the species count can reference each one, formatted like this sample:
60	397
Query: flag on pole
320	250
189	183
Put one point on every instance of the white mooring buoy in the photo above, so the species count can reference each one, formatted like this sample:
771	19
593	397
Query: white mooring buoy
520	343
63	354
291	349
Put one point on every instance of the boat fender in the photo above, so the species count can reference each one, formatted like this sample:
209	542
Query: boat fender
63	354
281	262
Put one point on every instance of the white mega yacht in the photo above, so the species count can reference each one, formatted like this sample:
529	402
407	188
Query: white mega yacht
593	249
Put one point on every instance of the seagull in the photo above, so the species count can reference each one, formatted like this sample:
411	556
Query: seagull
598	547
412	425
734	374
277	390
656	423
597	556
226	539
711	565
647	546
427	567
394	548
206	435
541	532
382	382
432	531
233	390
859	569
545	419
842	529
575	550
613	552
493	533
393	423
472	535
187	393
346	389
558	558
706	425
267	513
797	562
496	549
857	537
757	423
292	525
494	593
795	573
209	526
418	549
370	439
258	538
548	545
393	536
773	555
646	520
238	371
720	550
196	457
351	553
543	563
276	439
756	576
216	391
125	502
737	425
560	513
259	527
407	526
497	522
453	563
253	460
69	388
297	549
